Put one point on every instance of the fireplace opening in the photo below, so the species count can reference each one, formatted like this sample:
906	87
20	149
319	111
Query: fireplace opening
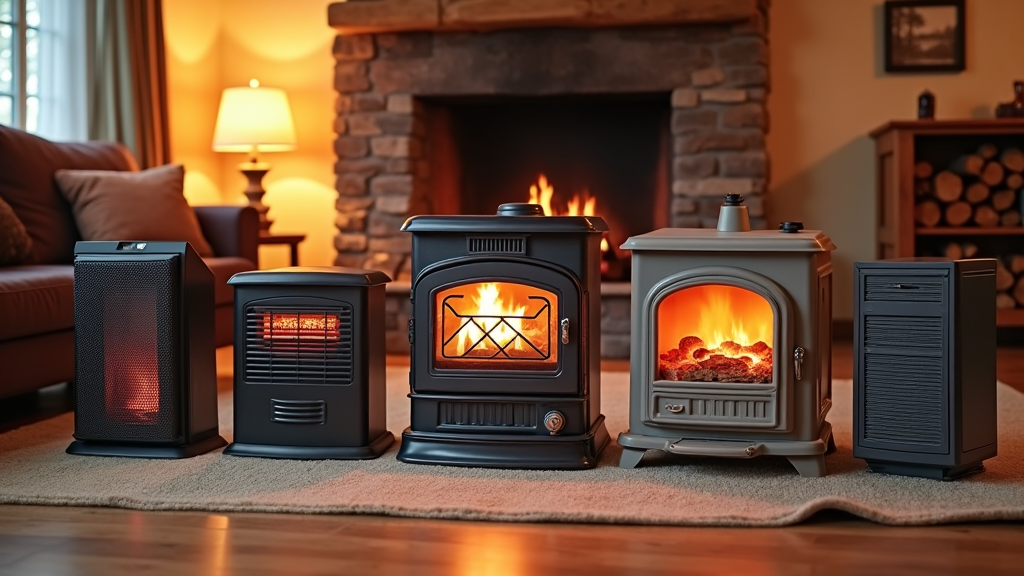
715	333
496	326
609	151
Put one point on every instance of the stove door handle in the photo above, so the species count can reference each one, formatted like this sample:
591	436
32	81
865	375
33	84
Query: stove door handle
798	363
565	330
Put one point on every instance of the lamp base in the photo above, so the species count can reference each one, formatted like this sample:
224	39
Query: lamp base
254	172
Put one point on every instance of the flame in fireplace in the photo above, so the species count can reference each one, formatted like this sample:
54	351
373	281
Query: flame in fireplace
497	322
289	326
715	332
579	205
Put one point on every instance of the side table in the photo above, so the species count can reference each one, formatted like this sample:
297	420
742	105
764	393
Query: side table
292	240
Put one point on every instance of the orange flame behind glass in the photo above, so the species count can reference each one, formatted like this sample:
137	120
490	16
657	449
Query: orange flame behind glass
715	313
498	322
281	326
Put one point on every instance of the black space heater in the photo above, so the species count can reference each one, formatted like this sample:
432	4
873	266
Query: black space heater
924	375
310	364
145	367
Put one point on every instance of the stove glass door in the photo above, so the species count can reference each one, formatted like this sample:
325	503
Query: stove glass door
715	333
496	326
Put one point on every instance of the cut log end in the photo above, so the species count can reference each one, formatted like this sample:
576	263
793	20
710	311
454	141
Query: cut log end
986	217
928	213
959	213
948	186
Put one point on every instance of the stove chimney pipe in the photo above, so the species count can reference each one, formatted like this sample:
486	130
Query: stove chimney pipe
733	216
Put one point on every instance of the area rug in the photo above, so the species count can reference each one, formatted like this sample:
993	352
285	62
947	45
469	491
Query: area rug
666	489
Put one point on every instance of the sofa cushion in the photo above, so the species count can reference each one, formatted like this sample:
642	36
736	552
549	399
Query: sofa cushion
146	205
223	269
36	300
27	164
15	243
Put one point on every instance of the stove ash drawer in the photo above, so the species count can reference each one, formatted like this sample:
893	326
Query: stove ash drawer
713	409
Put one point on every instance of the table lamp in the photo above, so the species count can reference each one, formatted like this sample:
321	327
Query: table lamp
254	120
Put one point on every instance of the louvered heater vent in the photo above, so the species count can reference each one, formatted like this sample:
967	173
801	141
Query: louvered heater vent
904	288
298	411
488	414
294	345
903	380
493	245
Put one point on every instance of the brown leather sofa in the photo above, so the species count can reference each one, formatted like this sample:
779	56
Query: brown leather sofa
37	298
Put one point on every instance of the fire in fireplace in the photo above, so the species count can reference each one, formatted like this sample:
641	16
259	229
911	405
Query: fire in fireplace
505	367
712	310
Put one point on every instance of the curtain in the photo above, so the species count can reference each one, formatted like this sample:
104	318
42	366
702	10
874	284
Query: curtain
128	92
61	71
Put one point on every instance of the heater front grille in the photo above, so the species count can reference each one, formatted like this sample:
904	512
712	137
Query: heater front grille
127	333
493	245
298	411
299	345
903	380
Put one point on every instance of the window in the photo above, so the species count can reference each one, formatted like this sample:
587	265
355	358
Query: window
19	63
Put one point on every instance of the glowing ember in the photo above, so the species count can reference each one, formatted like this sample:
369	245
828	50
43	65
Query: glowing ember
300	327
715	333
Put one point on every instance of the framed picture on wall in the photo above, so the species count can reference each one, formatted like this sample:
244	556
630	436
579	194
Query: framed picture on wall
924	36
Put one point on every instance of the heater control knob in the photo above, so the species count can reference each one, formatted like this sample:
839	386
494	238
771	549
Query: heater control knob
554	421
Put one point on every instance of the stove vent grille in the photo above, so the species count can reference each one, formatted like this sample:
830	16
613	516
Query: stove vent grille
497	245
319	355
904	289
488	414
903	380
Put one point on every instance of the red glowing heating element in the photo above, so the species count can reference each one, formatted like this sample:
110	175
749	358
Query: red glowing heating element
324	327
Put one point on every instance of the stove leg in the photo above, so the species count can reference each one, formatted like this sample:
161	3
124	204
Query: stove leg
631	457
809	466
831	447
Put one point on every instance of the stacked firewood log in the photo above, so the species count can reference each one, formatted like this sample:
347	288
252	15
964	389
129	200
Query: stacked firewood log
979	189
1010	282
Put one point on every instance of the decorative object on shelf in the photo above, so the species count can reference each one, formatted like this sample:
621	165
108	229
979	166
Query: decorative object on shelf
924	396
145	368
309	364
1014	109
924	36
926	106
254	120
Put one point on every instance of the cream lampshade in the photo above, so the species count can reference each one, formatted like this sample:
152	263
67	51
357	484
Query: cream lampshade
254	120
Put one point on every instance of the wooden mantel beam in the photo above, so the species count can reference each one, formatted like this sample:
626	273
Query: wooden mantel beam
366	16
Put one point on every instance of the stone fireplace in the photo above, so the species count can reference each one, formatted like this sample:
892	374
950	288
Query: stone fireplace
655	109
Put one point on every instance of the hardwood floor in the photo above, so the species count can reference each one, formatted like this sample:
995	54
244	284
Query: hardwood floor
57	541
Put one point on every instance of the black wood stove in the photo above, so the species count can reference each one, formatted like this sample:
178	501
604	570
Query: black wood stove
309	364
505	367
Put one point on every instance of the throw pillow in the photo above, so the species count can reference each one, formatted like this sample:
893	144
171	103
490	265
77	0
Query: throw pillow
145	205
15	243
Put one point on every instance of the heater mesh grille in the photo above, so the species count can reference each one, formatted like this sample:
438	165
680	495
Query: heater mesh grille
903	380
127	382
298	345
492	245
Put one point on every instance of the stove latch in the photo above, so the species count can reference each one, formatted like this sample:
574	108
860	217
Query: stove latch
412	326
798	362
565	330
554	421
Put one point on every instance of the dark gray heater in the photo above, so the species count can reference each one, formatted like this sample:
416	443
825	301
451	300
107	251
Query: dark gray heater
924	366
145	371
310	377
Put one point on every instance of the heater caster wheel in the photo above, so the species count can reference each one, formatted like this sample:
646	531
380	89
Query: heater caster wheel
631	457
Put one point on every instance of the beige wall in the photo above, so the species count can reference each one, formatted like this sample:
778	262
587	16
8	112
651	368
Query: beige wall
828	91
216	44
